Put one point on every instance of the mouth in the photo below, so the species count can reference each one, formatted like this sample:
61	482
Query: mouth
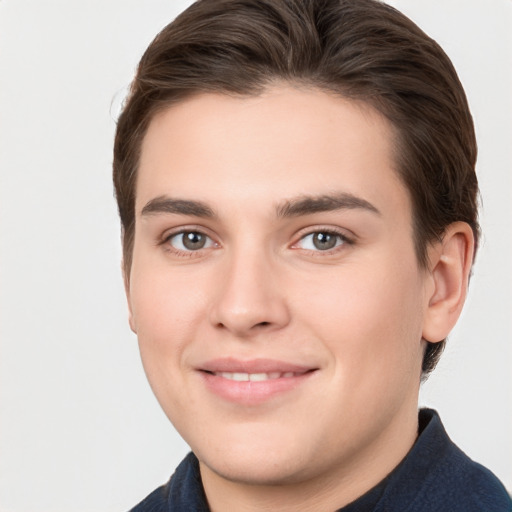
253	382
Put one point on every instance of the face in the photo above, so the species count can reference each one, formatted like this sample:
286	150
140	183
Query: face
274	288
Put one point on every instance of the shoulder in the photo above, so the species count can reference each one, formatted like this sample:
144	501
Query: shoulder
466	486
437	476
183	491
155	502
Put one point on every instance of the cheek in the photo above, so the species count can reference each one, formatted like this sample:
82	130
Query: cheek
163	302
166	313
370	319
166	323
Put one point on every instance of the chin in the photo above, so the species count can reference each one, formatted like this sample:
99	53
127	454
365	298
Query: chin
257	470
253	455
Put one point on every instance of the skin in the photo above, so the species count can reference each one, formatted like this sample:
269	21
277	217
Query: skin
354	314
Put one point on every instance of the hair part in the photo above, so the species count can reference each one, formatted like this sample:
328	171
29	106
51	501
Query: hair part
363	50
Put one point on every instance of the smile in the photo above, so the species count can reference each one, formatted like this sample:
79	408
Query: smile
253	382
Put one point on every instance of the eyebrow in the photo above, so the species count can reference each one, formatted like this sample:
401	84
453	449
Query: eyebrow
303	205
306	205
164	204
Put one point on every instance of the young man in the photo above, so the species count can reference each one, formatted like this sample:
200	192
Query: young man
296	186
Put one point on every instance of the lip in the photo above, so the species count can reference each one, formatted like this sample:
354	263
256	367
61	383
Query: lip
284	377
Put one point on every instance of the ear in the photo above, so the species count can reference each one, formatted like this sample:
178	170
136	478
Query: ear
450	262
126	281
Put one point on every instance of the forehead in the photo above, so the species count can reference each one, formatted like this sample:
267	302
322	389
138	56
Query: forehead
284	142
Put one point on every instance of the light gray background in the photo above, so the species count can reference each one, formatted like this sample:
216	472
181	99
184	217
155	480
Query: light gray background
80	429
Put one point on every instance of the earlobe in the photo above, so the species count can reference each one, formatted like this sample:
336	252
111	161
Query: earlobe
450	266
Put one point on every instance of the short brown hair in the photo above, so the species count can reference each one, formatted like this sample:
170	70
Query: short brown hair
358	49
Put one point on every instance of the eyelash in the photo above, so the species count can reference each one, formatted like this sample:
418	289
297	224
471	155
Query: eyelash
186	253
341	240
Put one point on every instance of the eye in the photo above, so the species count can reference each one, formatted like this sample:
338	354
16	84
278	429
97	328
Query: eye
187	241
321	241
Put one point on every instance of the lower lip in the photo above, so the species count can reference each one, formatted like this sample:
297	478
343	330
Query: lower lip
252	392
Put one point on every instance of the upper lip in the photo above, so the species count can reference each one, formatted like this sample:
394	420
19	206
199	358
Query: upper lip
229	364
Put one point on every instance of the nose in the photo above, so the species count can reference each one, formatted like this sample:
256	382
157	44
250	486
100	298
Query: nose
250	298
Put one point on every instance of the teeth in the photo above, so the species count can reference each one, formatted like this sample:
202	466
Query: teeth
254	377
